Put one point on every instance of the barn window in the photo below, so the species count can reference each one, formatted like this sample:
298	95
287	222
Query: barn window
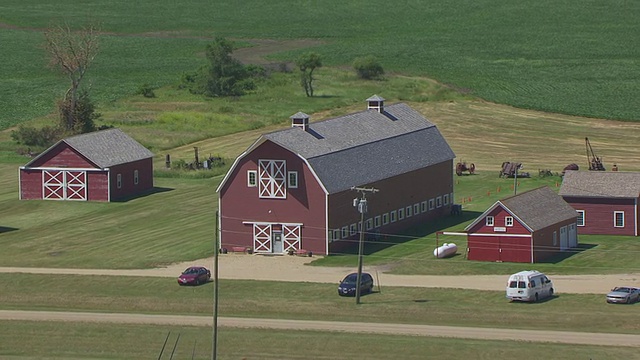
618	219
408	211
119	181
385	218
580	217
508	221
352	229
272	179
489	220
439	201
416	208
345	232
423	207
136	178
252	178
293	179
336	234
393	216
376	221
400	214
432	204
445	198
369	224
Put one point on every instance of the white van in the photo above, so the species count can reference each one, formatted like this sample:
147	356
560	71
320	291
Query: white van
530	285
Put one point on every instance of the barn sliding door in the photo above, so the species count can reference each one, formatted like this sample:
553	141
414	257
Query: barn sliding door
64	185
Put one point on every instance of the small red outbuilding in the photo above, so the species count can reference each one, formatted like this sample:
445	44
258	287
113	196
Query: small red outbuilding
99	166
529	227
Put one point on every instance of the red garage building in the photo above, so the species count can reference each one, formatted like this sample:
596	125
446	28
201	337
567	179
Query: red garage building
529	227
292	189
99	166
606	202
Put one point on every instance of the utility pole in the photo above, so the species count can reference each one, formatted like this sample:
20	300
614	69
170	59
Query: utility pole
515	179
214	340
361	205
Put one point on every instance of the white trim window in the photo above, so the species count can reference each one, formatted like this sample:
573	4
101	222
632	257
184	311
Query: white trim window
489	221
432	204
508	221
581	218
376	221
352	229
292	176
385	219
423	207
408	211
618	219
439	202
119	181
369	224
252	178
393	215
136	177
345	232
336	234
401	214
416	208
272	179
445	199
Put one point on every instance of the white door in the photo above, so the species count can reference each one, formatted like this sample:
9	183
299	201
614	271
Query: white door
262	238
564	239
64	185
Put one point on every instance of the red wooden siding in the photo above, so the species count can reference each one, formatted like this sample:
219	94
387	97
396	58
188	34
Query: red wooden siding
394	193
599	215
240	205
62	156
129	188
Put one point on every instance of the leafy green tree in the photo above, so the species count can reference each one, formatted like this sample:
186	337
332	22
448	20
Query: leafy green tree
223	76
307	63
368	67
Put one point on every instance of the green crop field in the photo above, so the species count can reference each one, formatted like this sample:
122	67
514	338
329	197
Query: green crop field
547	55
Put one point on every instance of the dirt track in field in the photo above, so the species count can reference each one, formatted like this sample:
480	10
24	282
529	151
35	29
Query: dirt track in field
564	337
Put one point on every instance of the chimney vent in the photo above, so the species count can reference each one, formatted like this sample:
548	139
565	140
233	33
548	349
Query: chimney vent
375	103
300	120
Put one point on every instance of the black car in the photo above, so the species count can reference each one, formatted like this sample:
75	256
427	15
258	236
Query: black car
347	286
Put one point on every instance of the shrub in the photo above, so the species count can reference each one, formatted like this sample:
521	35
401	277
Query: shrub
40	138
146	90
368	67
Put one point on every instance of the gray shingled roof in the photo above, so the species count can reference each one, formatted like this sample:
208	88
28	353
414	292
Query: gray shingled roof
367	146
601	184
106	148
537	208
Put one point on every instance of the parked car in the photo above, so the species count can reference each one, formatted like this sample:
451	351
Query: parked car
194	275
624	294
347	286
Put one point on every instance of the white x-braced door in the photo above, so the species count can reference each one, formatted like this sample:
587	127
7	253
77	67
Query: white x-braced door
64	185
262	238
273	179
291	237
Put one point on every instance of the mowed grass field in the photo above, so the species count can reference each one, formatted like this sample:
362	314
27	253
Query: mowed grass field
547	55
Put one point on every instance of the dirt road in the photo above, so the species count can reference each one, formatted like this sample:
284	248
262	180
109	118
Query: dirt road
564	337
293	268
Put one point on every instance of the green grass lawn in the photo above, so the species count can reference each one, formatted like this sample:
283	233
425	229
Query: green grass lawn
313	301
41	340
549	55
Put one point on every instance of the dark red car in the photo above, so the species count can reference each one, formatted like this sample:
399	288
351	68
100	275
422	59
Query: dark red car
194	275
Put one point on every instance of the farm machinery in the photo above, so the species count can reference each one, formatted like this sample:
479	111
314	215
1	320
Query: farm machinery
595	163
462	167
510	170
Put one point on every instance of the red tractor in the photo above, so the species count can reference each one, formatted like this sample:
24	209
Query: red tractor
462	167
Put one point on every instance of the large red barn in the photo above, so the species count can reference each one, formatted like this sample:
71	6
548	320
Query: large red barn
99	166
606	202
292	189
529	227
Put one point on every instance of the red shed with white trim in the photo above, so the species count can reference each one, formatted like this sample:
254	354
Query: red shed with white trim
529	227
99	166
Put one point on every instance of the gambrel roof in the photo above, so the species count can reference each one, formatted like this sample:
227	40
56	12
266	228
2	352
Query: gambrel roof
600	184
535	209
366	146
104	148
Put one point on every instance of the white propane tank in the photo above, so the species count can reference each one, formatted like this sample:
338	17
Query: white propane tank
446	250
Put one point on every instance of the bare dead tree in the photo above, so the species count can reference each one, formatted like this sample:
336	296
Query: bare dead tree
71	52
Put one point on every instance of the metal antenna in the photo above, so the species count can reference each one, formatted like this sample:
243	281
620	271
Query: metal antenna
361	205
